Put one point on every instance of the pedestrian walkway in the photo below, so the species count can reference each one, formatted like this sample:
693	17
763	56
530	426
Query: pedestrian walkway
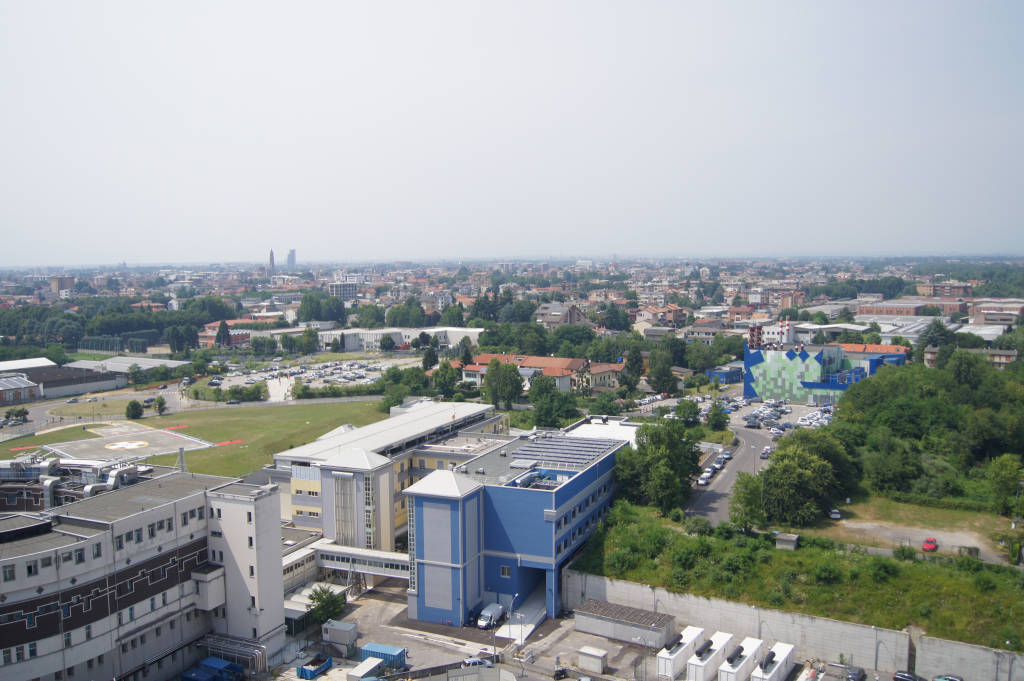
526	618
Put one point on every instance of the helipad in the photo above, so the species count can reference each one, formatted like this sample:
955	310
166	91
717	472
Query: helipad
135	444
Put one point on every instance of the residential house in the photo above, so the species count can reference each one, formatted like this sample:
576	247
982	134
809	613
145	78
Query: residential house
553	315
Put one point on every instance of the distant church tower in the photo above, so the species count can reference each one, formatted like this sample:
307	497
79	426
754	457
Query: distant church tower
271	261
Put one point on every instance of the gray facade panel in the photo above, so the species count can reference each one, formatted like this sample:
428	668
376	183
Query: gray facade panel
437	532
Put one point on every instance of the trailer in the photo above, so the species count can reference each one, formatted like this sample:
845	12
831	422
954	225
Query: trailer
366	669
672	660
315	667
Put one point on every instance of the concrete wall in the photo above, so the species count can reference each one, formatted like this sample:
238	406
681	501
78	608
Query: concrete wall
814	637
937	656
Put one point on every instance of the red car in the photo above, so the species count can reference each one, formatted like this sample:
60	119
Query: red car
930	545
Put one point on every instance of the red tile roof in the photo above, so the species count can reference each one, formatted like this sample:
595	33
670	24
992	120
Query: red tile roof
873	348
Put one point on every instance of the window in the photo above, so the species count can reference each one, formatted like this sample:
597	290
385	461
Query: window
67	639
118	542
300	512
89	663
252	601
163	598
79	555
65	610
135	643
7	656
142	640
32	568
58	675
192	513
252	570
138	536
66	556
159	524
45	561
184	518
88	632
9	569
70	671
314	514
314	494
170	524
31	650
156	632
151	530
152	603
99	659
128	537
19	654
218	513
248	516
506	571
97	550
202	512
131	613
250	542
423	463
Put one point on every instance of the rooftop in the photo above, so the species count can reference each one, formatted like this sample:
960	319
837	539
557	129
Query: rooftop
624	613
416	421
142	496
564	454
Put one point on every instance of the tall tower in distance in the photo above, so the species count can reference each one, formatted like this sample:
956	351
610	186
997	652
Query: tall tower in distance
291	259
271	261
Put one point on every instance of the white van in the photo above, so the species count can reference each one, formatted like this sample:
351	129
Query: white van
491	616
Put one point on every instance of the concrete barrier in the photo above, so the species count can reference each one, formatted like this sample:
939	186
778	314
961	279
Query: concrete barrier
814	637
938	656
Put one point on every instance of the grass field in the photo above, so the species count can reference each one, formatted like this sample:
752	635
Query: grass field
263	431
961	599
62	435
108	408
881	510
94	356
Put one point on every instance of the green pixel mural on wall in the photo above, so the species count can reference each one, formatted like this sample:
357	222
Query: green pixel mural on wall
780	374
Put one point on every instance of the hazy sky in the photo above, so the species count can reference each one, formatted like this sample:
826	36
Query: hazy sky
215	131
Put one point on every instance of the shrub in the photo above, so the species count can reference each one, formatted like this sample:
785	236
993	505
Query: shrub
881	569
622	561
968	564
983	582
904	552
827	572
676	515
697	525
723	531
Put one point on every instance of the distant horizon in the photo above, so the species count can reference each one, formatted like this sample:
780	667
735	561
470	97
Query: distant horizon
605	260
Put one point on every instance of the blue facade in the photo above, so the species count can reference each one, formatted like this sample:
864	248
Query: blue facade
726	375
527	535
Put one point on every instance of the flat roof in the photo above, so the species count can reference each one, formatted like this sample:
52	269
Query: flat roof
553	450
19	364
121	365
624	613
420	419
29	545
127	501
613	429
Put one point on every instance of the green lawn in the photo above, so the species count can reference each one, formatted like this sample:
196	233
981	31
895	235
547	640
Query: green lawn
263	431
104	408
94	356
62	435
960	599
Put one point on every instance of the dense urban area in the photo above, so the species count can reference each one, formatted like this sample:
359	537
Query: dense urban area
603	469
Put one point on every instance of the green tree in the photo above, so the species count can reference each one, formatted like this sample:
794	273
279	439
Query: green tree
387	343
370	316
662	467
798	488
700	357
688	413
309	308
605	404
133	410
429	358
635	363
445	379
223	338
746	506
326	604
333	310
661	379
466	353
452	316
717	418
1003	475
160	404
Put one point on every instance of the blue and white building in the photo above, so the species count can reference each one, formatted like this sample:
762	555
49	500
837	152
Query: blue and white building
501	526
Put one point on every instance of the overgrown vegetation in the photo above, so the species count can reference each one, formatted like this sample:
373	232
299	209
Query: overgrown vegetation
957	598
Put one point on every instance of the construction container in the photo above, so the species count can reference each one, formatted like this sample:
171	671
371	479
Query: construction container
704	667
393	657
672	661
741	660
778	668
366	669
199	674
315	667
339	633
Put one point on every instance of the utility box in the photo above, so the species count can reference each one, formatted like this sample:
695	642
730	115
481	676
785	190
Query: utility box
593	660
774	665
741	660
339	633
707	657
672	660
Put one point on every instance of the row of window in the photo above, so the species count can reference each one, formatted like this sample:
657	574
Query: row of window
581	530
582	506
308	493
362	561
17	653
311	514
9	572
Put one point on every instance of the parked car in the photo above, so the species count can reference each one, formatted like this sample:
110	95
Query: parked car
766	452
232	402
948	677
704	480
719	463
476	662
855	674
930	545
907	676
560	673
73	400
834	514
491	616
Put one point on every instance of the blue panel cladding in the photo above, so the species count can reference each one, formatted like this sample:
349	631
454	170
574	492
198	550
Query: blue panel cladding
521	580
514	522
749	360
454	615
